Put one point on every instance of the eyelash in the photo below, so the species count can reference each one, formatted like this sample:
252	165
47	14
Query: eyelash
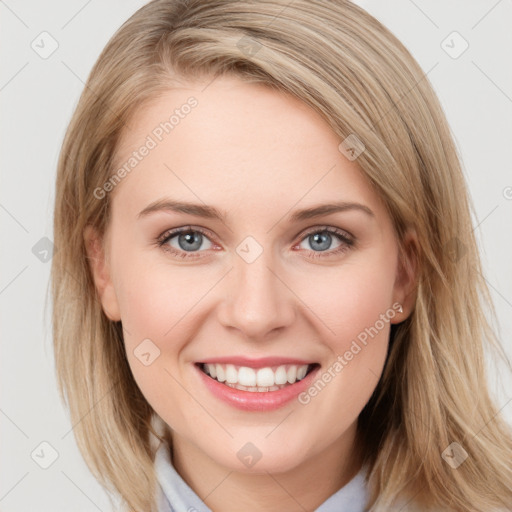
348	241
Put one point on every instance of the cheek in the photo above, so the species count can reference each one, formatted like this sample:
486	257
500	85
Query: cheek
354	297
153	298
357	308
356	315
156	312
160	304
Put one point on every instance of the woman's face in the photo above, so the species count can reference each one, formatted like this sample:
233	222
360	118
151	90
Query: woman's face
266	270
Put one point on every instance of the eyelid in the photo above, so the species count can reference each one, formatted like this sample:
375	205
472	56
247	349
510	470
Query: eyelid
330	229
183	229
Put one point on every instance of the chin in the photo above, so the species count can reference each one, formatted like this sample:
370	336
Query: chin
261	457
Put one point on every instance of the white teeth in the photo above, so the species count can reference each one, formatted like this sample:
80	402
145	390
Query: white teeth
221	375
246	376
292	374
254	388
231	374
265	377
301	372
251	379
281	376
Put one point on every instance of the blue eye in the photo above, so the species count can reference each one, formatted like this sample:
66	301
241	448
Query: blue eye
185	241
188	240
321	240
191	240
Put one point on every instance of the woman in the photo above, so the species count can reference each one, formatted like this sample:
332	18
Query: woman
265	226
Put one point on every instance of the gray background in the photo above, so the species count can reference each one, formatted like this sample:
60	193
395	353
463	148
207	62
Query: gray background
37	99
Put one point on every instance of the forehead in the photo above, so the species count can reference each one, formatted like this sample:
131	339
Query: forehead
233	143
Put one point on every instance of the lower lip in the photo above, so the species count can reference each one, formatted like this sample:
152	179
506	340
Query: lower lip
257	401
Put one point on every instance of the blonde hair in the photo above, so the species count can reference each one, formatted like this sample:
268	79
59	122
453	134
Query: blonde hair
346	65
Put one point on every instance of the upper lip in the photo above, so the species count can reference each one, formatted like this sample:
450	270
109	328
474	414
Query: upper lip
261	362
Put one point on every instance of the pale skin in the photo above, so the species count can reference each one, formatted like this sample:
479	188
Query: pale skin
258	156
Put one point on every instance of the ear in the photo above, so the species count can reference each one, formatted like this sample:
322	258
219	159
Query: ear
404	291
95	248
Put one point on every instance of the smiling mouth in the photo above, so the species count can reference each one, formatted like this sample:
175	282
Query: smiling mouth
259	380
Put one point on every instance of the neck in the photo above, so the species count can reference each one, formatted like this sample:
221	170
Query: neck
304	487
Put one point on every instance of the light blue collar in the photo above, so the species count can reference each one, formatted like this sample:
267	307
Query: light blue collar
174	495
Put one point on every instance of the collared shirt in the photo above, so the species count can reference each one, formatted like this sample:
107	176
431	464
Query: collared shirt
174	495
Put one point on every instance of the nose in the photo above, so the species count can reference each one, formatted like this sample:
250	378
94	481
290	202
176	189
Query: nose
258	301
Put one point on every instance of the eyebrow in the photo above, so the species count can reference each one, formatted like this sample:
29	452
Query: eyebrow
210	212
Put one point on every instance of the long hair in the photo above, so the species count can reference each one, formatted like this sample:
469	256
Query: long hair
346	65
